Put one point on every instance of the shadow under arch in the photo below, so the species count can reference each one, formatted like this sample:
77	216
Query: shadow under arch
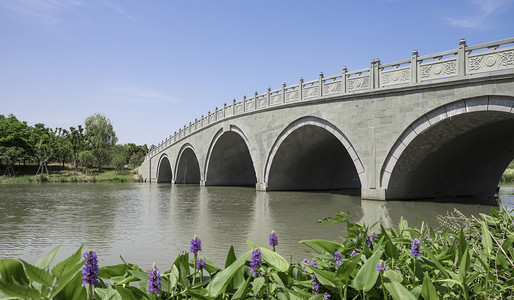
164	174
230	160
457	150
313	154
187	168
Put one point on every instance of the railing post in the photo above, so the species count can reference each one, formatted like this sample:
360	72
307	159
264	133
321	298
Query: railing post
224	110
208	117
414	67
461	58
196	124
244	103
372	74
320	85
234	107
283	92
216	114
376	74
343	79
269	96
300	87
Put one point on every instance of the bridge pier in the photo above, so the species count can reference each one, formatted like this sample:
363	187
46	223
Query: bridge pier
373	193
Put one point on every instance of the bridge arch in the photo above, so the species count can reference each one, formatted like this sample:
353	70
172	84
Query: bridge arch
164	174
230	160
313	154
187	168
458	149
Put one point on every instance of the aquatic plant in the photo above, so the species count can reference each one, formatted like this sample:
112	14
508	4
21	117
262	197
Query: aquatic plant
398	265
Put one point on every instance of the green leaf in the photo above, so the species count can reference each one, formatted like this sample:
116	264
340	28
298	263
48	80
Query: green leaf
326	278
73	290
182	263
428	290
393	275
487	242
368	274
61	270
113	271
21	291
174	276
36	274
231	257
327	246
436	262
272	258
45	261
348	267
220	281
125	293
390	249
398	291
257	284
66	270
242	290
11	271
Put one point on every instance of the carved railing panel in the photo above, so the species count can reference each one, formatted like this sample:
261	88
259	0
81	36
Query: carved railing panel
438	69
395	76
490	61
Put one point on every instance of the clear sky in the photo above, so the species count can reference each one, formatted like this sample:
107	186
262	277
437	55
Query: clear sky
153	66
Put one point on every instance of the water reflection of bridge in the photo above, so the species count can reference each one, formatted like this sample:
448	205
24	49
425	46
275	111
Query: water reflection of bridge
429	126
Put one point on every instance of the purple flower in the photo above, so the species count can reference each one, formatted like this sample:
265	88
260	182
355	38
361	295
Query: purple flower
305	261
337	258
381	266
314	263
255	263
90	269
415	249
196	245
273	239
353	253
154	281
315	285
452	239
200	264
326	296
371	238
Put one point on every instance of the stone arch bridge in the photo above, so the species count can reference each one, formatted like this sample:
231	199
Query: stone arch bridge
433	126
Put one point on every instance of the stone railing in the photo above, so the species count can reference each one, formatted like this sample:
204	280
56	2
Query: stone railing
457	63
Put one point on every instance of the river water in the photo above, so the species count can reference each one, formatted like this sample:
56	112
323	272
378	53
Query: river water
148	223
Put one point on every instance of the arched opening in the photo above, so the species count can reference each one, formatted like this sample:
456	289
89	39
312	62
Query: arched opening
188	169
312	158
230	162
164	170
460	156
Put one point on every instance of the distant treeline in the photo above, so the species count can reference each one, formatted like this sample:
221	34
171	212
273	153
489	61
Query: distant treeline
84	146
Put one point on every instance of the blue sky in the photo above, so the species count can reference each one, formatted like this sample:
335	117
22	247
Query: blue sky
153	66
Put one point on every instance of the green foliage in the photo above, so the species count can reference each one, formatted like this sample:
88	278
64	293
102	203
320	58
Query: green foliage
473	262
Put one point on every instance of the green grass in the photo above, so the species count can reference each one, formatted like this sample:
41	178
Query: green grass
508	175
66	175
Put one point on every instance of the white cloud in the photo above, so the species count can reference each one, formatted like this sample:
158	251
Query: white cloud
53	12
482	10
136	95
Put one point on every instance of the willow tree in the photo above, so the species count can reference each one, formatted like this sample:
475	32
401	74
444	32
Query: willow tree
101	137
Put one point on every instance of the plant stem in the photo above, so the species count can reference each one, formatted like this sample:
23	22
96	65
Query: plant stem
383	286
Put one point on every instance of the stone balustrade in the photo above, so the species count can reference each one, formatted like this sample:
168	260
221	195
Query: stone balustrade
453	64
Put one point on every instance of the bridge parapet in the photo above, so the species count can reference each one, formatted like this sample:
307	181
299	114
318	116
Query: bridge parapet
448	65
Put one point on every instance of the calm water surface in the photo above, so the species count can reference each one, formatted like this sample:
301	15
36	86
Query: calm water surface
146	223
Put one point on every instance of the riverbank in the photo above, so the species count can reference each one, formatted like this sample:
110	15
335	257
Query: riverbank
58	173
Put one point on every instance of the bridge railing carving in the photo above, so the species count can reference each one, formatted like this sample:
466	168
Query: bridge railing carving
457	63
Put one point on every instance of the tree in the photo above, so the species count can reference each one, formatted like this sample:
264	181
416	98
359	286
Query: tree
101	137
62	145
43	141
86	158
77	141
14	136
